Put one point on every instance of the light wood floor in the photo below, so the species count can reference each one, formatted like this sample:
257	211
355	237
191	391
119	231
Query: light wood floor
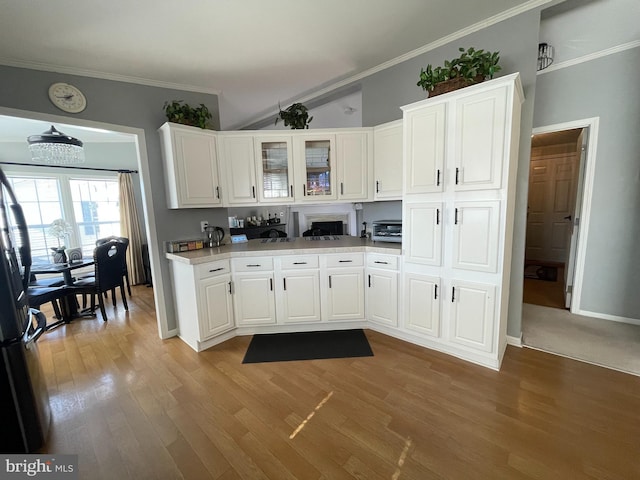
545	293
135	407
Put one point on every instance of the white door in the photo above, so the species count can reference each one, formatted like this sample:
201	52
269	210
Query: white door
239	165
216	303
314	167
422	232
387	161
479	145
422	303
424	147
345	294
472	314
353	158
300	296
254	299
476	228
382	297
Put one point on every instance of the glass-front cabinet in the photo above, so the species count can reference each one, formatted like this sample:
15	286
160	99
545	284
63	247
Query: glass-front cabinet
315	167
274	167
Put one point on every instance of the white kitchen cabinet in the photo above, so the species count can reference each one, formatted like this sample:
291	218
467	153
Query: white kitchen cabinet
190	156
274	167
382	289
473	314
315	167
422	236
354	158
387	161
342	286
422	303
253	291
238	162
216	306
475	230
298	292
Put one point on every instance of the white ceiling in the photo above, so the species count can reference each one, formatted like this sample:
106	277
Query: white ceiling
253	53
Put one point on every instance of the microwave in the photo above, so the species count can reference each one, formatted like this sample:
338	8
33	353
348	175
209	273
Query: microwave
387	231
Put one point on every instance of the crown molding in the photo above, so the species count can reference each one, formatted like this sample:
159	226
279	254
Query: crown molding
590	56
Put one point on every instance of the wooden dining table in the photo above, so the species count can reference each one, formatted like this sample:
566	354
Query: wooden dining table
69	305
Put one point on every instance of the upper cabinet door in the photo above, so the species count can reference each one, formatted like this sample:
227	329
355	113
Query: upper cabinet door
191	167
239	165
479	140
354	157
315	167
387	161
424	148
275	169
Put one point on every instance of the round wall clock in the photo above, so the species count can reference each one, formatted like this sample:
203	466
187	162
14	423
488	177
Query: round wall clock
67	97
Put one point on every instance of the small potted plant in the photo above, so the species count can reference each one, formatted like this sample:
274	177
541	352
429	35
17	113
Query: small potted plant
179	112
296	116
60	229
472	66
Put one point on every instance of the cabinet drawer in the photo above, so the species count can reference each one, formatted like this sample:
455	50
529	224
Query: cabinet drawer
213	269
297	262
252	264
345	260
387	262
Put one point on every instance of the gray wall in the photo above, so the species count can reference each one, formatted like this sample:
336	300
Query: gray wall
612	262
129	105
517	40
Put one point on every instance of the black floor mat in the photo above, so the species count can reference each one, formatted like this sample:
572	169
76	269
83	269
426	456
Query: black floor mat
284	347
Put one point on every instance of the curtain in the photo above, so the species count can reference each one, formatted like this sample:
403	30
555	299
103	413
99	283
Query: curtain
130	228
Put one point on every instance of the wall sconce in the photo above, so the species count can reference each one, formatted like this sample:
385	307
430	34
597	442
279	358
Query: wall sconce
55	148
545	55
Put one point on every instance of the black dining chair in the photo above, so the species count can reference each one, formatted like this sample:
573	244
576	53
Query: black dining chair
109	259
125	241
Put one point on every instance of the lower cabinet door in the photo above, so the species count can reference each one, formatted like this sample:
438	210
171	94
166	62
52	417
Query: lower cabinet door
215	306
300	297
422	303
382	297
344	296
472	314
254	299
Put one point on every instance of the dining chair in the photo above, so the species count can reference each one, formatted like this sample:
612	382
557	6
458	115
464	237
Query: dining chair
125	241
109	259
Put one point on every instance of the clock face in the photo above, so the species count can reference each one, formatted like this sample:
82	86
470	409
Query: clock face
67	97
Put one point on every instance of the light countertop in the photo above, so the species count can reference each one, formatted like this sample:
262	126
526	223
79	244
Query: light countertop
295	246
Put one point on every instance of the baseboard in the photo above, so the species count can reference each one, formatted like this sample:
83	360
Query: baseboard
515	341
612	318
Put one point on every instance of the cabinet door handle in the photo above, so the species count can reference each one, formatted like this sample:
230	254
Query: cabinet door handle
271	284
216	269
341	188
345	261
291	188
435	292
383	263
284	282
457	174
438	179
437	216
253	191
230	284
329	281
377	186
299	263
369	281
254	265
453	294
218	192
304	190
455	217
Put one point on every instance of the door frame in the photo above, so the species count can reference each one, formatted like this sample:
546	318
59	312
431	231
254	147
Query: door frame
588	166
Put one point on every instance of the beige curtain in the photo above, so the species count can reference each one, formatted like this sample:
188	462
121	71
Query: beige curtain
130	228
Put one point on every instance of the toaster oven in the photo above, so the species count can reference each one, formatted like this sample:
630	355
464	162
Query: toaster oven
387	231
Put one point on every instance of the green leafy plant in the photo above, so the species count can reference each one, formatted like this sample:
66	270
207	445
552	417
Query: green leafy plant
472	65
179	112
296	116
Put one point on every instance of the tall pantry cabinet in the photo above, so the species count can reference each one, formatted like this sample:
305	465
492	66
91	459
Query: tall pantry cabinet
460	161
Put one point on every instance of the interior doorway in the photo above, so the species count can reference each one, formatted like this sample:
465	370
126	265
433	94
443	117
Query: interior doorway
553	215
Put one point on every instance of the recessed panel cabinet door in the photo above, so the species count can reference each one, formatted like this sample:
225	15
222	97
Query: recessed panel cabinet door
382	297
216	304
254	299
423	232
476	226
387	161
345	294
422	303
479	146
353	159
424	149
300	297
472	314
239	166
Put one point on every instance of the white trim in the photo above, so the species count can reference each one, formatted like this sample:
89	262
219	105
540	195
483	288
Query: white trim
515	341
611	318
46	67
155	249
585	211
590	56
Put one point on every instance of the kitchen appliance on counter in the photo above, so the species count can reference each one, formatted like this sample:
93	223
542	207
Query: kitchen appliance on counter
387	231
213	236
24	401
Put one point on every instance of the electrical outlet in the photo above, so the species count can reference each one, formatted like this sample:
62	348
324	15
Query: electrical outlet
281	214
203	225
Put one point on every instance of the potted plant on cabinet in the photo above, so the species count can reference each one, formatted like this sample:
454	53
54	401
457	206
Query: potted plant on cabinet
179	112
59	229
472	66
296	116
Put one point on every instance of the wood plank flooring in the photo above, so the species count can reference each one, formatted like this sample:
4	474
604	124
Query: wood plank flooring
135	407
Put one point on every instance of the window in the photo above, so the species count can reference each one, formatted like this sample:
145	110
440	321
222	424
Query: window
90	205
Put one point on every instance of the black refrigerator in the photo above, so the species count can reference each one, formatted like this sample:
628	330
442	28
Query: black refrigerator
24	401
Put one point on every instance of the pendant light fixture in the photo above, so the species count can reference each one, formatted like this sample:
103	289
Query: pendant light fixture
545	55
55	148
